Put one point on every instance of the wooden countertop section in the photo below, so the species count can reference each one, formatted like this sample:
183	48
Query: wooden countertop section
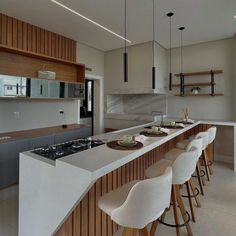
31	133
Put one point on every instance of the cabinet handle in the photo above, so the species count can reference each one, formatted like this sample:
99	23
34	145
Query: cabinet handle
41	89
17	88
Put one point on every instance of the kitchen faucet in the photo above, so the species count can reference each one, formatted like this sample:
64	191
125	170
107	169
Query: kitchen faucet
159	113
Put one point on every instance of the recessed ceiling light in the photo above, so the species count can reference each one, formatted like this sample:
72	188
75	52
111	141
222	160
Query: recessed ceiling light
234	16
91	21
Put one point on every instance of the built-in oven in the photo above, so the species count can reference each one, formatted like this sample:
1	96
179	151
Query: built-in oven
12	86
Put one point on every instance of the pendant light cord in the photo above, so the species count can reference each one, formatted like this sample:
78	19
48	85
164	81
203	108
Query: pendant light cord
153	33
181	51
125	25
170	45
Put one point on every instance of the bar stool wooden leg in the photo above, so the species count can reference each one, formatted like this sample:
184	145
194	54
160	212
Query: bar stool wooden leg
155	224
144	232
208	162
129	232
175	210
205	164
190	201
200	182
183	211
193	188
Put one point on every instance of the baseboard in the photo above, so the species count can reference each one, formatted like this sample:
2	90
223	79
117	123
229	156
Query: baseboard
224	158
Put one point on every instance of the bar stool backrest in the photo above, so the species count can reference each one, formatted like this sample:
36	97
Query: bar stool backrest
197	143
212	134
146	202
184	166
205	137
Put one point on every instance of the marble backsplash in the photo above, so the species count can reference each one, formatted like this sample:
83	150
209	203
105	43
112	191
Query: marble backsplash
136	104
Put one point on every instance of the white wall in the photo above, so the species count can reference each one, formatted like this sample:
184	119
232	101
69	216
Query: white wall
201	57
36	114
94	59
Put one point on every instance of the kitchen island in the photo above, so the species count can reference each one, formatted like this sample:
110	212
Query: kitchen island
60	197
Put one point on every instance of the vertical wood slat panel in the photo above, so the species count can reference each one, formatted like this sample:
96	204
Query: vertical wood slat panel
19	34
0	28
25	36
98	212
42	41
34	39
14	33
4	30
38	40
84	214
9	31
77	221
92	212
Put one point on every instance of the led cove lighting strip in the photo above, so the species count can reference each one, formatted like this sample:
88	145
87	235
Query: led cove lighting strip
91	21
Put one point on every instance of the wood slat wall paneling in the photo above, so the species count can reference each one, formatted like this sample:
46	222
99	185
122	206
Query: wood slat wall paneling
4	29
9	31
25	36
0	29
21	35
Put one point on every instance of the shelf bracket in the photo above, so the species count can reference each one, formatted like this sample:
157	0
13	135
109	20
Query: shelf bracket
212	83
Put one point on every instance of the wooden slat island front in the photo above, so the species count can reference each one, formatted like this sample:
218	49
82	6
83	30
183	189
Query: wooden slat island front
87	219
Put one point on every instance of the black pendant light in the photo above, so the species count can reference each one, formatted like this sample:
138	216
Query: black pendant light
125	55
170	14
153	48
181	63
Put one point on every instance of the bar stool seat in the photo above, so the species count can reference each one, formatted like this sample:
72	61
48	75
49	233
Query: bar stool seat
158	168
116	198
173	154
183	144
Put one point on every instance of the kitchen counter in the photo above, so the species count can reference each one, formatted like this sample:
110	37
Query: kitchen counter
49	192
12	136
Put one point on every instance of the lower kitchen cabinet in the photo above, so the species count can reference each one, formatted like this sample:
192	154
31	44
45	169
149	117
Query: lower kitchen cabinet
70	135
9	161
9	152
41	141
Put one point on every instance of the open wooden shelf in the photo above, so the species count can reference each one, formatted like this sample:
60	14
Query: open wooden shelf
200	73
200	95
38	56
194	84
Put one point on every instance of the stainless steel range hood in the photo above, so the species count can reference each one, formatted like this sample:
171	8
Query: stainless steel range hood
33	88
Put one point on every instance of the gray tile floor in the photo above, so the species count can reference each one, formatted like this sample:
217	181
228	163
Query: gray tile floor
217	217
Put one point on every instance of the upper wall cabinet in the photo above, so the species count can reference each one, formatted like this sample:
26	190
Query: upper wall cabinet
25	49
140	62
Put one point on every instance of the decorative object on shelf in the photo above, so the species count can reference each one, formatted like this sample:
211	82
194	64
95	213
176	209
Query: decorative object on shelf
195	90
181	61
153	47
46	74
186	114
125	55
64	125
198	85
170	14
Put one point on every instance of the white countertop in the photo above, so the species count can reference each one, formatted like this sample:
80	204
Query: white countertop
49	191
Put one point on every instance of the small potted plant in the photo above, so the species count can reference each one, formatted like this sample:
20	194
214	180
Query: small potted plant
195	90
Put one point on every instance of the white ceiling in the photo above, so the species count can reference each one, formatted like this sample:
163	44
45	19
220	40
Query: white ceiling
205	20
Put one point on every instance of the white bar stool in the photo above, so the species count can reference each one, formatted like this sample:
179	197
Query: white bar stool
212	136
173	154
183	145
138	203
183	167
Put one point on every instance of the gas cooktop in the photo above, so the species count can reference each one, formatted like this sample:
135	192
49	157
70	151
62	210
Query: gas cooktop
56	151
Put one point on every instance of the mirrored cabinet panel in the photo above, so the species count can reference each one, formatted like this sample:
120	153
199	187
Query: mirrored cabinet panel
15	86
